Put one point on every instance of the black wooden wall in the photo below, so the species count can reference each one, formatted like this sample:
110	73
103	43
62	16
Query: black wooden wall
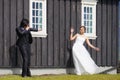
55	49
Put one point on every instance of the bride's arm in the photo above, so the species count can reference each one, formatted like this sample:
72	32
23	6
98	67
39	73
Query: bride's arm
71	35
90	45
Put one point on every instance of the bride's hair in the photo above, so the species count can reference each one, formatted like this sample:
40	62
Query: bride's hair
83	27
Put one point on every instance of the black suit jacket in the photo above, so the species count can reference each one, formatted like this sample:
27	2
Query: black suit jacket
24	36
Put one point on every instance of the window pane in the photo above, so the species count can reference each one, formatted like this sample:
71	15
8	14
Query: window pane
40	27
87	9
36	26
36	5
33	12
85	16
90	23
90	9
33	25
90	16
33	5
40	13
33	19
85	23
90	30
36	19
36	12
84	9
87	30
41	20
40	5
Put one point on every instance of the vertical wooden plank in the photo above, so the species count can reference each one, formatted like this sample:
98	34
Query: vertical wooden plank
93	52
73	20
50	32
1	32
68	50
114	33
39	52
104	27
109	30
33	52
56	33
44	52
6	31
119	31
26	9
62	36
20	11
13	54
78	14
18	20
73	14
98	31
89	48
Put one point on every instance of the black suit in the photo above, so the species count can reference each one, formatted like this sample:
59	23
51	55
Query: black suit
23	42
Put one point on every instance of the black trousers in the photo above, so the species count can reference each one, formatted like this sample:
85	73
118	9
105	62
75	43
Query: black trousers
25	52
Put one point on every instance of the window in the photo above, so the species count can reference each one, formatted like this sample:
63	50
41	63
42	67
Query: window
38	17
89	17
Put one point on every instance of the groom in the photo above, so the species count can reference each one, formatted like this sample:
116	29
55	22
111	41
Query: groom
23	42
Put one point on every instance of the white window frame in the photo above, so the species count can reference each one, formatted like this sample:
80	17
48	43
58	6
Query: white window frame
43	32
92	4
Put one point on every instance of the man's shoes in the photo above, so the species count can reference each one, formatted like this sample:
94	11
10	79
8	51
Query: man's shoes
23	75
29	75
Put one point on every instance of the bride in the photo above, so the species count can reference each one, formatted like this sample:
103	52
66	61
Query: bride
81	57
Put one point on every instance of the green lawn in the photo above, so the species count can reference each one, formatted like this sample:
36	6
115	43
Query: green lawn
63	77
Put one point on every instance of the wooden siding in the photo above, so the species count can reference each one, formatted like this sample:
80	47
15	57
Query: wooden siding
55	49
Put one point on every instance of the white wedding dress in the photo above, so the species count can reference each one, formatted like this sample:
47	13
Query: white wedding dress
82	60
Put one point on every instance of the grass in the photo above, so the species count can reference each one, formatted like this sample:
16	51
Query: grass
63	77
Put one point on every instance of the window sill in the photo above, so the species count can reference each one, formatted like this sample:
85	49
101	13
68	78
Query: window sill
39	34
92	37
